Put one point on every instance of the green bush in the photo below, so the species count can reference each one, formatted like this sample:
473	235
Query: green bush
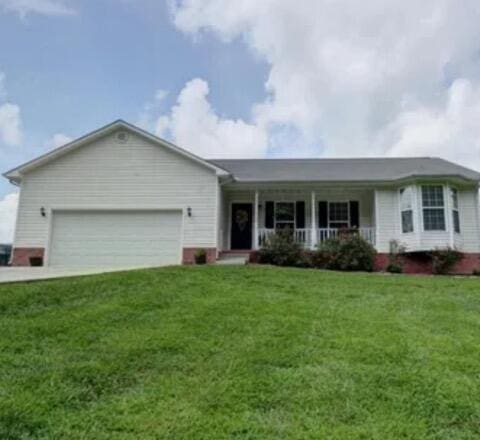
348	252
394	268
281	249
200	256
444	260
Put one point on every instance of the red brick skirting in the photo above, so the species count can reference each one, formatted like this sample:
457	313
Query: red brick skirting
21	256
421	264
416	263
189	255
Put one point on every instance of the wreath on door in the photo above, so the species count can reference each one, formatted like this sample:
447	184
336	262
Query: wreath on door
241	219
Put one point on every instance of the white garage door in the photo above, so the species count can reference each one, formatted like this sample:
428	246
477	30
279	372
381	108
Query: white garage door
115	238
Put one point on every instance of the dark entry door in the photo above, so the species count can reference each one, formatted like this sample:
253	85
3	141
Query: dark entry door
241	235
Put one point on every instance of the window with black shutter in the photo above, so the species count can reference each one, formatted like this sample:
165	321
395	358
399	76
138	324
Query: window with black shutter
285	215
354	214
269	215
323	215
338	215
300	215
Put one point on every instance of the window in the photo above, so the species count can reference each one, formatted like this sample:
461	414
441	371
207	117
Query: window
455	213
285	215
406	209
433	208
338	215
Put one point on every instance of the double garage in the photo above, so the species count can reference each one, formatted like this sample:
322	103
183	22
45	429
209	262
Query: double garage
115	238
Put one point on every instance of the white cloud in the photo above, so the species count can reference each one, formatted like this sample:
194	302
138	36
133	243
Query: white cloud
10	125
160	95
348	75
43	7
3	90
8	211
151	108
11	134
58	140
452	128
194	125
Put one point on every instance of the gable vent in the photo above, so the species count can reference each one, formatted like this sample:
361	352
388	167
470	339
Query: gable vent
122	137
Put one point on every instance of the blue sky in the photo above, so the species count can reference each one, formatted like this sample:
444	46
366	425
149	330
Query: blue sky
72	74
243	78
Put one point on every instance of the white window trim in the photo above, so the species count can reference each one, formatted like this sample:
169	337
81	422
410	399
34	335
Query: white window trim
453	209
422	208
347	202
413	202
294	222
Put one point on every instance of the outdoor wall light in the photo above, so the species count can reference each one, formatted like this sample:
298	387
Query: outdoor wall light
189	211
42	212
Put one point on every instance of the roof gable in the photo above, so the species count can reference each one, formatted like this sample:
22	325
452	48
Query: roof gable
15	174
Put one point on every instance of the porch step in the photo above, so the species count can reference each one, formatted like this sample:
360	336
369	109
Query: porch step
236	258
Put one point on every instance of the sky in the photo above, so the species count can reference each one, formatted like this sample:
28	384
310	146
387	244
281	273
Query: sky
242	78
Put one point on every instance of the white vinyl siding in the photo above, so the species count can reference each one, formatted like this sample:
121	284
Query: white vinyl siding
469	220
387	219
132	174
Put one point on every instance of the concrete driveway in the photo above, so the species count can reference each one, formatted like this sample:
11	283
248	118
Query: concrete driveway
12	274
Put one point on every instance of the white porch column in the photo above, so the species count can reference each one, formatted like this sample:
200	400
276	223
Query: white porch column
313	232
255	221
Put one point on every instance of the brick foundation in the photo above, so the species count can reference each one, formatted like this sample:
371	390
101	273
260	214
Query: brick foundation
21	256
189	255
422	264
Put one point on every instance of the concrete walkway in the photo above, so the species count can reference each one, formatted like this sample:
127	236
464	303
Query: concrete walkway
235	259
13	274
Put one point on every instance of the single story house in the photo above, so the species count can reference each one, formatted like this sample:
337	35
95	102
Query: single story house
121	196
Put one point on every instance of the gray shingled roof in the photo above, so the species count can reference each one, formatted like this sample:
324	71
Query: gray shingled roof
369	169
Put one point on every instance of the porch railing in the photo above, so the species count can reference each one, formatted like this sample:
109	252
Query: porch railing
325	233
304	236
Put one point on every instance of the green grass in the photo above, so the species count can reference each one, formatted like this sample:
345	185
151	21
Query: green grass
240	353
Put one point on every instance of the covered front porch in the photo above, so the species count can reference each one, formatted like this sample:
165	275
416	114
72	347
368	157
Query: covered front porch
250	215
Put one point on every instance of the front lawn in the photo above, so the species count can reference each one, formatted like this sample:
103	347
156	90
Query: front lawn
240	353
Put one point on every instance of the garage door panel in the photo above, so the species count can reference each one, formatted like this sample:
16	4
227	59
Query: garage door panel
118	238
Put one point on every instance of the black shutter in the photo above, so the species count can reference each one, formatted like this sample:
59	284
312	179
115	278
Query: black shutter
269	212
323	214
354	215
300	215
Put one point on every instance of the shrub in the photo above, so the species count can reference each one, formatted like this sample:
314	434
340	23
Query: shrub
200	256
443	260
476	272
394	268
320	258
395	257
305	259
281	249
347	252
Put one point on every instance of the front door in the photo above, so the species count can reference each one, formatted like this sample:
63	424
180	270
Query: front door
241	235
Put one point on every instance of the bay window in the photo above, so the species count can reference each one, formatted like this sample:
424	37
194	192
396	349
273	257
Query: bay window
433	207
406	209
455	212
